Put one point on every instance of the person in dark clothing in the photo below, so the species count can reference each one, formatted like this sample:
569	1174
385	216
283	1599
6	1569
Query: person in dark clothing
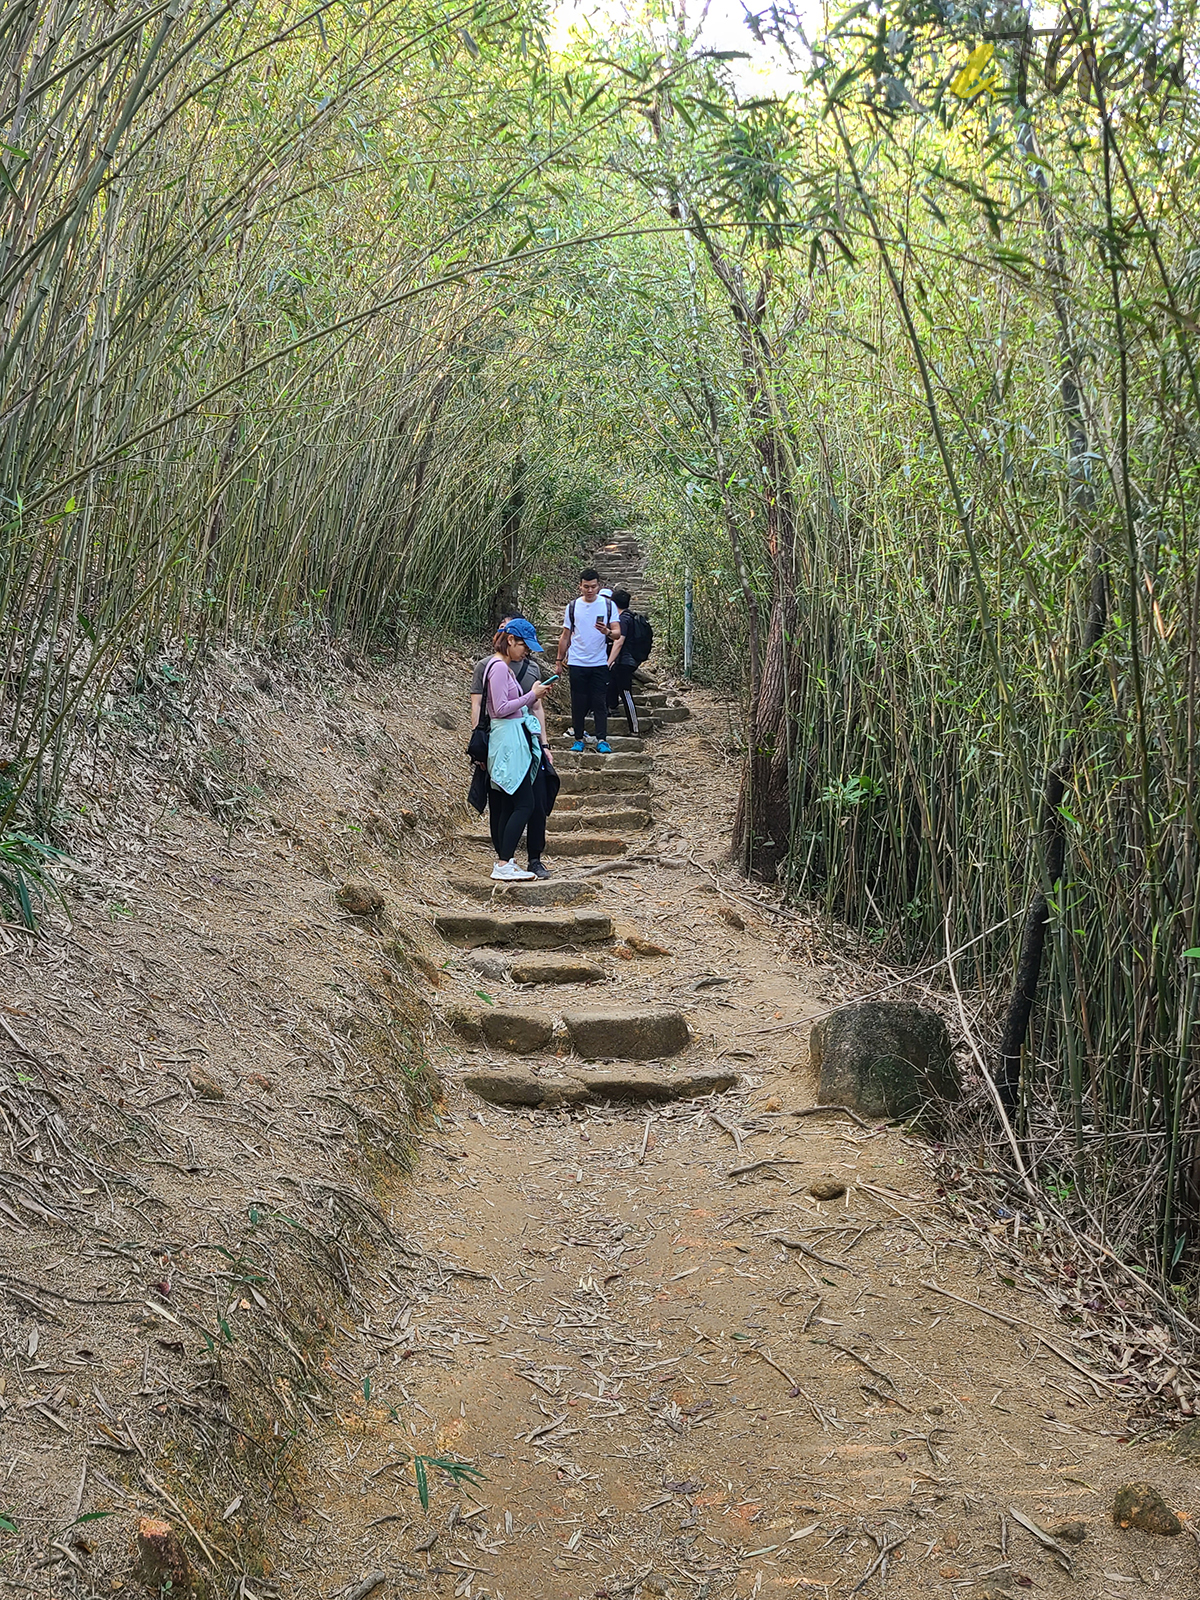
620	673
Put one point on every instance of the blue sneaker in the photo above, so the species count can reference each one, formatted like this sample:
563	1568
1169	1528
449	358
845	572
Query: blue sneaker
604	748
577	748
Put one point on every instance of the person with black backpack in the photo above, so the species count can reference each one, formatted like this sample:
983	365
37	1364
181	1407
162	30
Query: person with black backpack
636	638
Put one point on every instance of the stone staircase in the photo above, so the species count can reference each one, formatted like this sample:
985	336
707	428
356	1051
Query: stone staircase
521	942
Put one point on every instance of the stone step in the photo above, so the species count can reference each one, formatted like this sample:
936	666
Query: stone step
647	722
602	800
607	778
521	1086
590	760
622	743
616	821
627	1035
553	972
566	841
472	928
673	713
552	893
584	844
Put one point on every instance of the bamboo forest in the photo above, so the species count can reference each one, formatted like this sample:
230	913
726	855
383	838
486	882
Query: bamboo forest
844	365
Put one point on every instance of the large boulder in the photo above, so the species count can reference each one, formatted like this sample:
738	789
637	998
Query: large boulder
883	1058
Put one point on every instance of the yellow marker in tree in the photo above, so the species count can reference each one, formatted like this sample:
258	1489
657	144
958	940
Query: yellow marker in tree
973	78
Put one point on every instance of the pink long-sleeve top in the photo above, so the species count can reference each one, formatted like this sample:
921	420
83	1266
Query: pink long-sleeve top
504	697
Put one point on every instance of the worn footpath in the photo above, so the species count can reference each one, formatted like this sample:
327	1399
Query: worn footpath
623	1346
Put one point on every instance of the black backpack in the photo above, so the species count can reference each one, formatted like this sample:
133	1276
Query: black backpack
639	641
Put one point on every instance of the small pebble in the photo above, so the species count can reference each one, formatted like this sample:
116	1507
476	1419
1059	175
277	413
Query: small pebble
827	1188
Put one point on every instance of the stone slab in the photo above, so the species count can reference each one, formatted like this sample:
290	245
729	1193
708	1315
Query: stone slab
649	1083
609	821
607	778
518	1086
527	894
545	932
627	1035
506	1028
586	844
592	761
557	972
601	801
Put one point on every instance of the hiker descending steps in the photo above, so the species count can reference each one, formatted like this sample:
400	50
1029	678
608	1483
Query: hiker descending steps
586	648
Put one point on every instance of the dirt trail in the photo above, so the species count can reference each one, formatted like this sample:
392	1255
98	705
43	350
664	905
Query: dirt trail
597	1313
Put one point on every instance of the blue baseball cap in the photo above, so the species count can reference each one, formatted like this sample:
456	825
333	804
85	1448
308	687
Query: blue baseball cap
521	629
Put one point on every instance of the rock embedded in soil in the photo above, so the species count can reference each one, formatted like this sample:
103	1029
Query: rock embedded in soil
443	719
1139	1505
529	933
827	1188
493	967
360	900
162	1563
1072	1532
643	947
627	1035
883	1058
519	1031
557	972
205	1085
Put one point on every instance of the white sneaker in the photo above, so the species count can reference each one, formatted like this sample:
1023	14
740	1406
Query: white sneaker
510	872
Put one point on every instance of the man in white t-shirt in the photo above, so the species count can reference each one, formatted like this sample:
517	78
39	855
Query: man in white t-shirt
584	646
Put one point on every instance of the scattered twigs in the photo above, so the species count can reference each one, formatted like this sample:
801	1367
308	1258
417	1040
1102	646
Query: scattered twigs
645	1140
1014	1322
888	1399
734	1132
862	1361
844	1111
807	1250
1041	1536
977	1053
768	1161
880	1561
797	1389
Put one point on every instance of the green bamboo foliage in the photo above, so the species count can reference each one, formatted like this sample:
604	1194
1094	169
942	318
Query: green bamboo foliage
245	379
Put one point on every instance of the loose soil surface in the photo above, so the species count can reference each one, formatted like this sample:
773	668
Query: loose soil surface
670	1369
659	1394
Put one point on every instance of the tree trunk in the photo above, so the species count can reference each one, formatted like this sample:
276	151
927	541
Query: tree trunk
1080	501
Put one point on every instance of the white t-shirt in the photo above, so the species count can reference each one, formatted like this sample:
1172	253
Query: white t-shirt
589	647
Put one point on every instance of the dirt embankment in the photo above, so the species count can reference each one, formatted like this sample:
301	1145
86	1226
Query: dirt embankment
206	1081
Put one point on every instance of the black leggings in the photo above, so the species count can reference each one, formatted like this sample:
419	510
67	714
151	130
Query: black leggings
500	809
510	817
